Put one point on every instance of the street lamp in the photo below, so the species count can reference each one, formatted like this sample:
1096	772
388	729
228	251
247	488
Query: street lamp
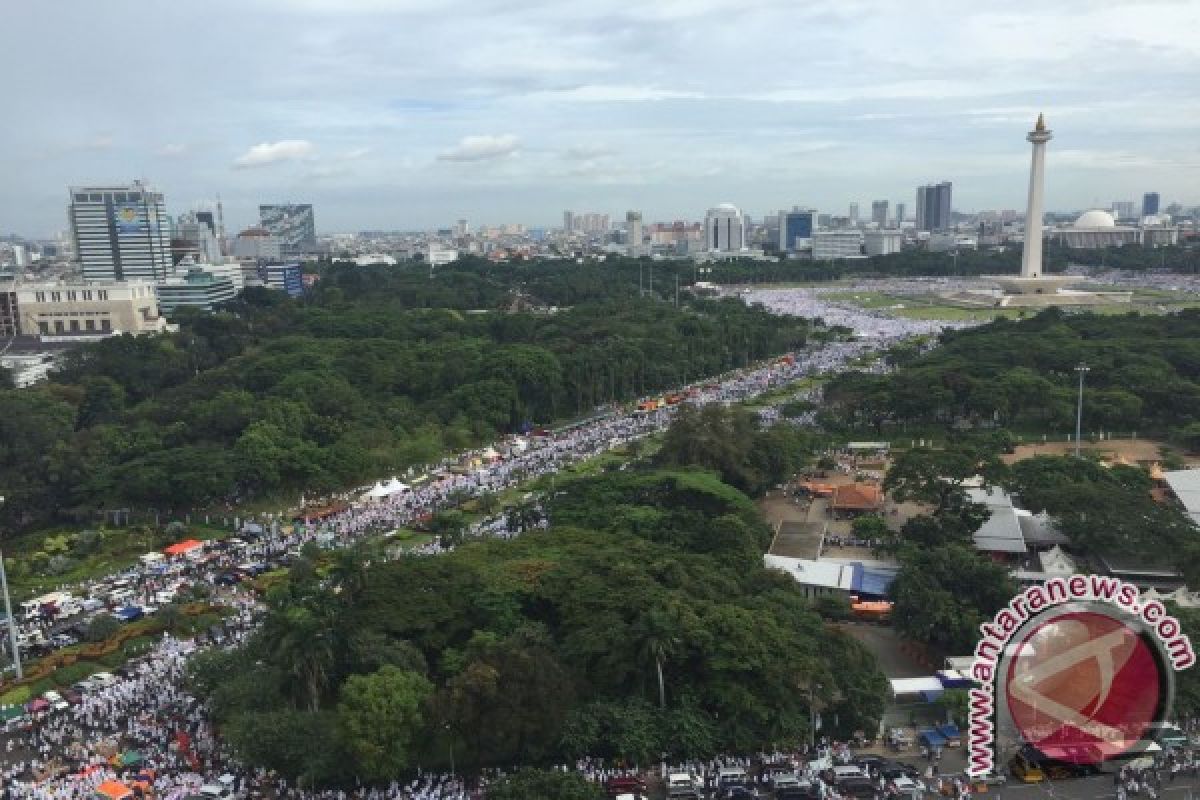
12	623
1082	369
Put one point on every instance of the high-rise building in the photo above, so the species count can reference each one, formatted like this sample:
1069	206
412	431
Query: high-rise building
633	230
853	214
879	213
1123	209
724	229
199	230
461	228
933	206
900	209
120	232
1149	204
292	224
569	221
796	229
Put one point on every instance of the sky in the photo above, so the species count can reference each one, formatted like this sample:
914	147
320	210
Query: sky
411	114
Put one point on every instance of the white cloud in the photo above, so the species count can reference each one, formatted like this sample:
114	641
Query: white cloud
173	149
588	152
482	148
615	94
267	153
354	155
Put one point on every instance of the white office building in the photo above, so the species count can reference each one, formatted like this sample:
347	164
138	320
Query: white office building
724	229
121	232
883	243
836	244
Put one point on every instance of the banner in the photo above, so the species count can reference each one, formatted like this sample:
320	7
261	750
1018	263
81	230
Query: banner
127	219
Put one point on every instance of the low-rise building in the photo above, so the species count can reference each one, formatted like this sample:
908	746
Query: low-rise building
836	244
282	278
199	288
883	242
84	310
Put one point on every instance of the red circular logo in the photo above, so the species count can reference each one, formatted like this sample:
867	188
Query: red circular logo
1084	687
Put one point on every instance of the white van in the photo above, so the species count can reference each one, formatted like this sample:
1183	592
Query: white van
729	775
841	773
680	783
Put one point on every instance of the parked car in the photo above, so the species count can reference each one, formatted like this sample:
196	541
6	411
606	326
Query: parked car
624	784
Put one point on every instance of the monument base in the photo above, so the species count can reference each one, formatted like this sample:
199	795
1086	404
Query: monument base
1044	284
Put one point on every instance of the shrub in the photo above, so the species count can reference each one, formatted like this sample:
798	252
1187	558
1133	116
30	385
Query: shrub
65	676
57	565
102	627
16	697
85	543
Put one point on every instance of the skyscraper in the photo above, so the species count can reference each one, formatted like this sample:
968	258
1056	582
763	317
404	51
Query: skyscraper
1149	204
933	206
292	224
853	214
1124	209
879	210
633	229
568	221
724	230
120	232
900	209
796	229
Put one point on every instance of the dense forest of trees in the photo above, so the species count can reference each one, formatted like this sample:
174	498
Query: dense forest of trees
642	622
1145	376
378	369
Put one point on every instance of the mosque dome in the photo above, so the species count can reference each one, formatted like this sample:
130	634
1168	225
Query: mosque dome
1095	219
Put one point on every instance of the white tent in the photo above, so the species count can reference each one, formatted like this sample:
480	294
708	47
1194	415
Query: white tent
394	486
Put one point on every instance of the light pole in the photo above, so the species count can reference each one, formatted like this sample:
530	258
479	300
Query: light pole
1082	369
12	623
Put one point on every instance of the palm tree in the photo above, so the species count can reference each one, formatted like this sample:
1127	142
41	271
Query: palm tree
300	639
659	640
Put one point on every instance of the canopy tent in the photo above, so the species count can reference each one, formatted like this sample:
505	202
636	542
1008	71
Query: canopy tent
8	713
910	686
39	704
186	547
130	758
382	491
113	790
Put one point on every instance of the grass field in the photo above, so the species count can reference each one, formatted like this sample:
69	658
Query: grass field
929	306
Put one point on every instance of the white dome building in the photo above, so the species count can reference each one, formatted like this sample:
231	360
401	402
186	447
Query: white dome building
1095	219
1095	229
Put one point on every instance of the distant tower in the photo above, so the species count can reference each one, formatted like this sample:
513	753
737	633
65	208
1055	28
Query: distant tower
853	214
900	209
221	227
1031	258
633	227
879	213
1149	204
724	229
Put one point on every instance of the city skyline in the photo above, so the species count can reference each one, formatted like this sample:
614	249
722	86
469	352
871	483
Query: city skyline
411	115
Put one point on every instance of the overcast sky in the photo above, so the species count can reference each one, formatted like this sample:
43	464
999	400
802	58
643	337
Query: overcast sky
404	114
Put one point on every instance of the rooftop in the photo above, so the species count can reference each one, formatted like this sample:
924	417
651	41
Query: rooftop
1185	485
1001	533
857	497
